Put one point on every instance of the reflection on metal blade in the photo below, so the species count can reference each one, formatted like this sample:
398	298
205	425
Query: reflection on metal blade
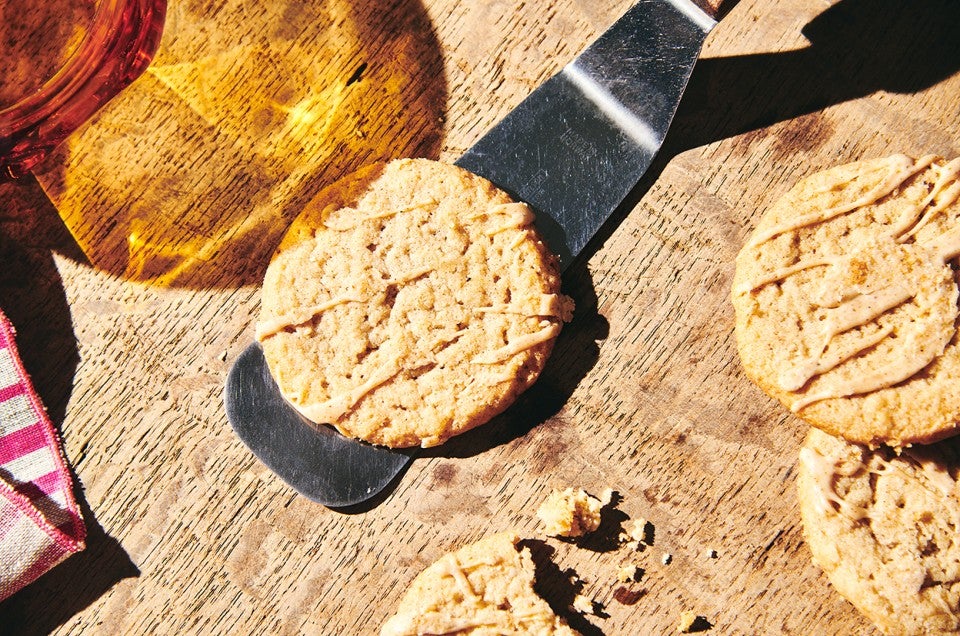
578	144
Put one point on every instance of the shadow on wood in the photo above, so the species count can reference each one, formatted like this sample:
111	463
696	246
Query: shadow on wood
190	176
33	298
32	294
857	47
559	588
54	598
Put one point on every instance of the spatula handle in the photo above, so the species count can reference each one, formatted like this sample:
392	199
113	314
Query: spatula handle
716	9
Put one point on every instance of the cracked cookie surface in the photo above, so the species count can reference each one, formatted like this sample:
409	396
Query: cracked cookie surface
485	588
885	528
846	300
409	302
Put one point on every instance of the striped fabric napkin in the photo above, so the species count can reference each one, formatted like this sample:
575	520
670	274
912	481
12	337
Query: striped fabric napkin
40	523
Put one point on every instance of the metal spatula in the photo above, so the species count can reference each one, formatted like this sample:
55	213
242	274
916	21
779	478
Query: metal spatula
573	150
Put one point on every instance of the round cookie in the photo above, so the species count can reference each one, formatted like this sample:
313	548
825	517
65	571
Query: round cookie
409	302
484	588
883	527
846	300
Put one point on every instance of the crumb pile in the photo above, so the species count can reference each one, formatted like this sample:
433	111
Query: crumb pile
487	587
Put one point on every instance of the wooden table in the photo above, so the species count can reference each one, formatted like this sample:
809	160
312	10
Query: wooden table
131	309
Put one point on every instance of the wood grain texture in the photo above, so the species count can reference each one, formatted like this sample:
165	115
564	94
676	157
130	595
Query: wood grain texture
249	110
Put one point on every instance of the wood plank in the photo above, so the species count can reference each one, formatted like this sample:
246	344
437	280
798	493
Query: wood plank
178	191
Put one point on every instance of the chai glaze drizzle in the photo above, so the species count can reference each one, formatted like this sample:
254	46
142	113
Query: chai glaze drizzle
553	309
484	614
510	216
946	187
899	169
302	316
522	343
842	310
446	566
825	470
339	405
840	319
359	218
552	305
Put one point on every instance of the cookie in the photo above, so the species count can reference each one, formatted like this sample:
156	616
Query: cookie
883	527
846	300
483	588
409	302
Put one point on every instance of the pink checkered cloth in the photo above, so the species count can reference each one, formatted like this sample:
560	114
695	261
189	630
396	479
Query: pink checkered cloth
40	523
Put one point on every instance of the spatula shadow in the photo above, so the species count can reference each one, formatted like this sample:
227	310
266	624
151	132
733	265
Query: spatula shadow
857	47
575	353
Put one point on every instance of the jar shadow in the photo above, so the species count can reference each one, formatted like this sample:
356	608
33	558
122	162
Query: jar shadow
190	177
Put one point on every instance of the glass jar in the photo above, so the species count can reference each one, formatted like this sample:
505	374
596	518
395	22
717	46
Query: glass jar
115	42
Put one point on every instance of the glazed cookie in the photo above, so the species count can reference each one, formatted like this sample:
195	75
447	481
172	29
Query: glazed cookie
483	588
884	529
846	300
408	303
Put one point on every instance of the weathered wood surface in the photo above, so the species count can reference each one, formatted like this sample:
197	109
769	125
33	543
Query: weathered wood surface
178	191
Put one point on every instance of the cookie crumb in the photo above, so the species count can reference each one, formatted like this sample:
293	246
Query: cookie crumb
634	529
628	573
711	553
584	605
637	534
687	619
570	513
690	622
667	558
636	546
607	496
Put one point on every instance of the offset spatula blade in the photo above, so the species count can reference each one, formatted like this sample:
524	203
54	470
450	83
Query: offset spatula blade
316	461
572	150
577	146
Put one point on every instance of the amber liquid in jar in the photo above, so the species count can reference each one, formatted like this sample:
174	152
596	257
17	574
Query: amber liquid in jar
36	42
60	61
193	173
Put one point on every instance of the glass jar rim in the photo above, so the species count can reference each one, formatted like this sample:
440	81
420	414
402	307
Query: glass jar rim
72	74
117	48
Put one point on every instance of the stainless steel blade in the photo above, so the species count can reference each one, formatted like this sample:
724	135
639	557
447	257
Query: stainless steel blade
579	144
573	150
317	461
